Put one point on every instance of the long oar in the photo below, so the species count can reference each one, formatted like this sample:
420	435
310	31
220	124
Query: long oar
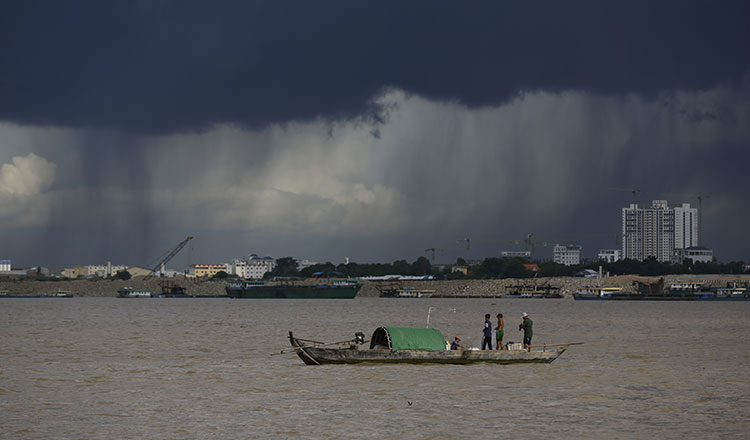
318	344
559	345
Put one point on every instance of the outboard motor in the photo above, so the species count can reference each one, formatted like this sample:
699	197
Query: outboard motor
359	338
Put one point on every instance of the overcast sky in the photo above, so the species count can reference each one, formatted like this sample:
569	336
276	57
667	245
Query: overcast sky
373	131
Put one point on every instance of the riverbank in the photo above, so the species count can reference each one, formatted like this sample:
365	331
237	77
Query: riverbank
454	288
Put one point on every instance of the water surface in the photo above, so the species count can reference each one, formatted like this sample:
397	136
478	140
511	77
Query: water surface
201	368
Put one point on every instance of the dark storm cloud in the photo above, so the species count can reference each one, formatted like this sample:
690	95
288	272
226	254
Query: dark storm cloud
170	66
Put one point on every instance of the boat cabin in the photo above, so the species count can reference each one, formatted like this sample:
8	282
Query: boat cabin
407	338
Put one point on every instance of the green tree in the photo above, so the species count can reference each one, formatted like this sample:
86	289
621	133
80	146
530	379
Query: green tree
122	275
421	266
401	267
221	275
285	267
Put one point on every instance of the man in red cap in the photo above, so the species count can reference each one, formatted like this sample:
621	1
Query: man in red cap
456	344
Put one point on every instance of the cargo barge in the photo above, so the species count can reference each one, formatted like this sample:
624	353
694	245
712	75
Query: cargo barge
675	292
257	289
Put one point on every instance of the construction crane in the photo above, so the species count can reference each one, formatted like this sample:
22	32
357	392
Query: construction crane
433	250
169	256
468	242
633	191
529	243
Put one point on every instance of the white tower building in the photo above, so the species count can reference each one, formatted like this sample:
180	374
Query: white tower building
685	226
654	231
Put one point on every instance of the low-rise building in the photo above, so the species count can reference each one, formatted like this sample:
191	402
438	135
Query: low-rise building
694	253
237	267
462	269
610	255
206	270
72	272
304	264
568	255
512	254
5	266
102	271
258	266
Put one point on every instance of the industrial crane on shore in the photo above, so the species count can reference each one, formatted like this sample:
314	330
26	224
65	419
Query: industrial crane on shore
433	250
530	243
468	242
165	260
633	191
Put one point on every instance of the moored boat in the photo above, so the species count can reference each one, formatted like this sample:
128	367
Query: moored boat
414	293
392	345
259	289
675	292
130	292
61	294
597	292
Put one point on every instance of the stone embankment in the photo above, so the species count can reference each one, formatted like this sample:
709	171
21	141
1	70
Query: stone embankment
567	285
105	288
454	288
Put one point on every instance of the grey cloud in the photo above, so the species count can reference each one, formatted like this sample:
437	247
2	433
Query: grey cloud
171	66
540	164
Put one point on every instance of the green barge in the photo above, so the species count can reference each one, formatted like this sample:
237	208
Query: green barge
258	289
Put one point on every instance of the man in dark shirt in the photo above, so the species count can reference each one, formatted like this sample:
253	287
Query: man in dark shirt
456	344
528	330
487	340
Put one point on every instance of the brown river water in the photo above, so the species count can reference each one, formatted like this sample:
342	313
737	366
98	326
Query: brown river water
105	368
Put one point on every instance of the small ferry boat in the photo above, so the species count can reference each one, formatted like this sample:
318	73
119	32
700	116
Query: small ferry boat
392	345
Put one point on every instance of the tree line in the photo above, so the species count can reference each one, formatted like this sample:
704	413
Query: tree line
493	268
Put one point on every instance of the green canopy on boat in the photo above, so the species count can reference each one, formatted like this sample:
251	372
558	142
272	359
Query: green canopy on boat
406	338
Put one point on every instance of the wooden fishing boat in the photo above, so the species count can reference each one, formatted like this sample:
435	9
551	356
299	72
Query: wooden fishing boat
392	345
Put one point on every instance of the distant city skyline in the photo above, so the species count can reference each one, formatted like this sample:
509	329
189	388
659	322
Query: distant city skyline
372	131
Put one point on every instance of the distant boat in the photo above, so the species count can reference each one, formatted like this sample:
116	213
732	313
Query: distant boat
258	289
58	294
61	294
394	345
406	292
596	293
130	292
675	292
533	291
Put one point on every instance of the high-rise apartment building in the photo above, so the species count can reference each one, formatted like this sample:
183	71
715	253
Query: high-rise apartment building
685	226
656	231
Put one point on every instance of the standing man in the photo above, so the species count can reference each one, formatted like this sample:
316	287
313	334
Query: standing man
500	329
528	330
487	340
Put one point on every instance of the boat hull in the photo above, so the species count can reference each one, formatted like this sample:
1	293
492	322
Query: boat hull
656	297
321	356
294	292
